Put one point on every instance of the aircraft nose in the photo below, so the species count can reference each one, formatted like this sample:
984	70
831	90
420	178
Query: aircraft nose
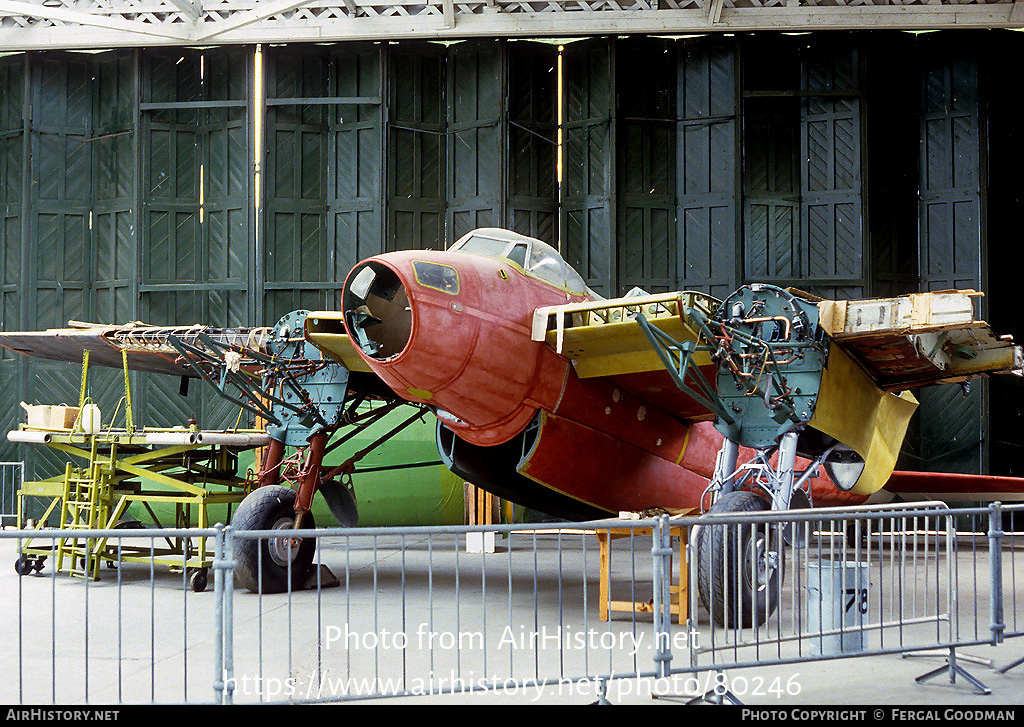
377	310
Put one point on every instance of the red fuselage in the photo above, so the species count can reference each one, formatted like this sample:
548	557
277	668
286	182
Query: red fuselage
468	351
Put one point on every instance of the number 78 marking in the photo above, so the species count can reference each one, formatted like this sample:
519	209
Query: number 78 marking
863	599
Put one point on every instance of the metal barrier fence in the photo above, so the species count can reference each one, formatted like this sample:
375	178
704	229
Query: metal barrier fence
410	613
11	476
391	613
565	611
1012	565
827	584
136	635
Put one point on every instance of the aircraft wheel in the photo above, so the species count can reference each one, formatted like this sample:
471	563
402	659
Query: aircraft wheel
739	566
274	563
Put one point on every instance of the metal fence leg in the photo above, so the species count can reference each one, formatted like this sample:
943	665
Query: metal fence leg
995	550
1003	670
953	669
228	568
995	555
717	695
223	587
602	692
218	618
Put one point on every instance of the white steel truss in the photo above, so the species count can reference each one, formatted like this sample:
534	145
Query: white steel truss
41	24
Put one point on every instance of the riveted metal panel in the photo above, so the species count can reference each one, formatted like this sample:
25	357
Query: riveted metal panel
706	178
416	198
588	153
532	140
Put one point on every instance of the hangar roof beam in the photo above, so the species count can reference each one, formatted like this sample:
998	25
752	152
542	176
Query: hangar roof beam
92	24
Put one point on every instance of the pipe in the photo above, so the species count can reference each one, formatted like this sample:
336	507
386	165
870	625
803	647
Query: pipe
270	470
311	479
240	439
31	437
172	438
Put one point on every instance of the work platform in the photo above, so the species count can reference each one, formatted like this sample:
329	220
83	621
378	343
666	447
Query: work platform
188	470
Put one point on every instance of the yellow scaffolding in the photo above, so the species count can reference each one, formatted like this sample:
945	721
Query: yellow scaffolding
121	469
112	469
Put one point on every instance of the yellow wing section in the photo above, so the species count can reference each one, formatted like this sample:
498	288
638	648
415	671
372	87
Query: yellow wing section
602	338
871	422
326	331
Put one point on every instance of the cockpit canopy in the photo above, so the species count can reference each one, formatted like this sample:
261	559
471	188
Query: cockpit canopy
535	257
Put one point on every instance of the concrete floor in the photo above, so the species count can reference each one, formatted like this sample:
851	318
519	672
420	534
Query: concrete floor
418	614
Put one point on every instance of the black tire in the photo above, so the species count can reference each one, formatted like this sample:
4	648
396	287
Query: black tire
198	578
269	564
739	566
24	566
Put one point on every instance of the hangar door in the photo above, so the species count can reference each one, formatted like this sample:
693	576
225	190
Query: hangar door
195	187
683	171
954	421
132	175
131	187
709	162
66	182
127	188
398	146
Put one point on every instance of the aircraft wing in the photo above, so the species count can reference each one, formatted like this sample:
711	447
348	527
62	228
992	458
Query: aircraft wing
147	347
919	339
900	343
602	338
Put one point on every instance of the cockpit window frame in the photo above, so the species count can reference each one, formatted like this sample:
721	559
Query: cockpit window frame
566	278
423	269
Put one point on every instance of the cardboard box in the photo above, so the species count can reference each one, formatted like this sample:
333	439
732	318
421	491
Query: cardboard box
46	416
